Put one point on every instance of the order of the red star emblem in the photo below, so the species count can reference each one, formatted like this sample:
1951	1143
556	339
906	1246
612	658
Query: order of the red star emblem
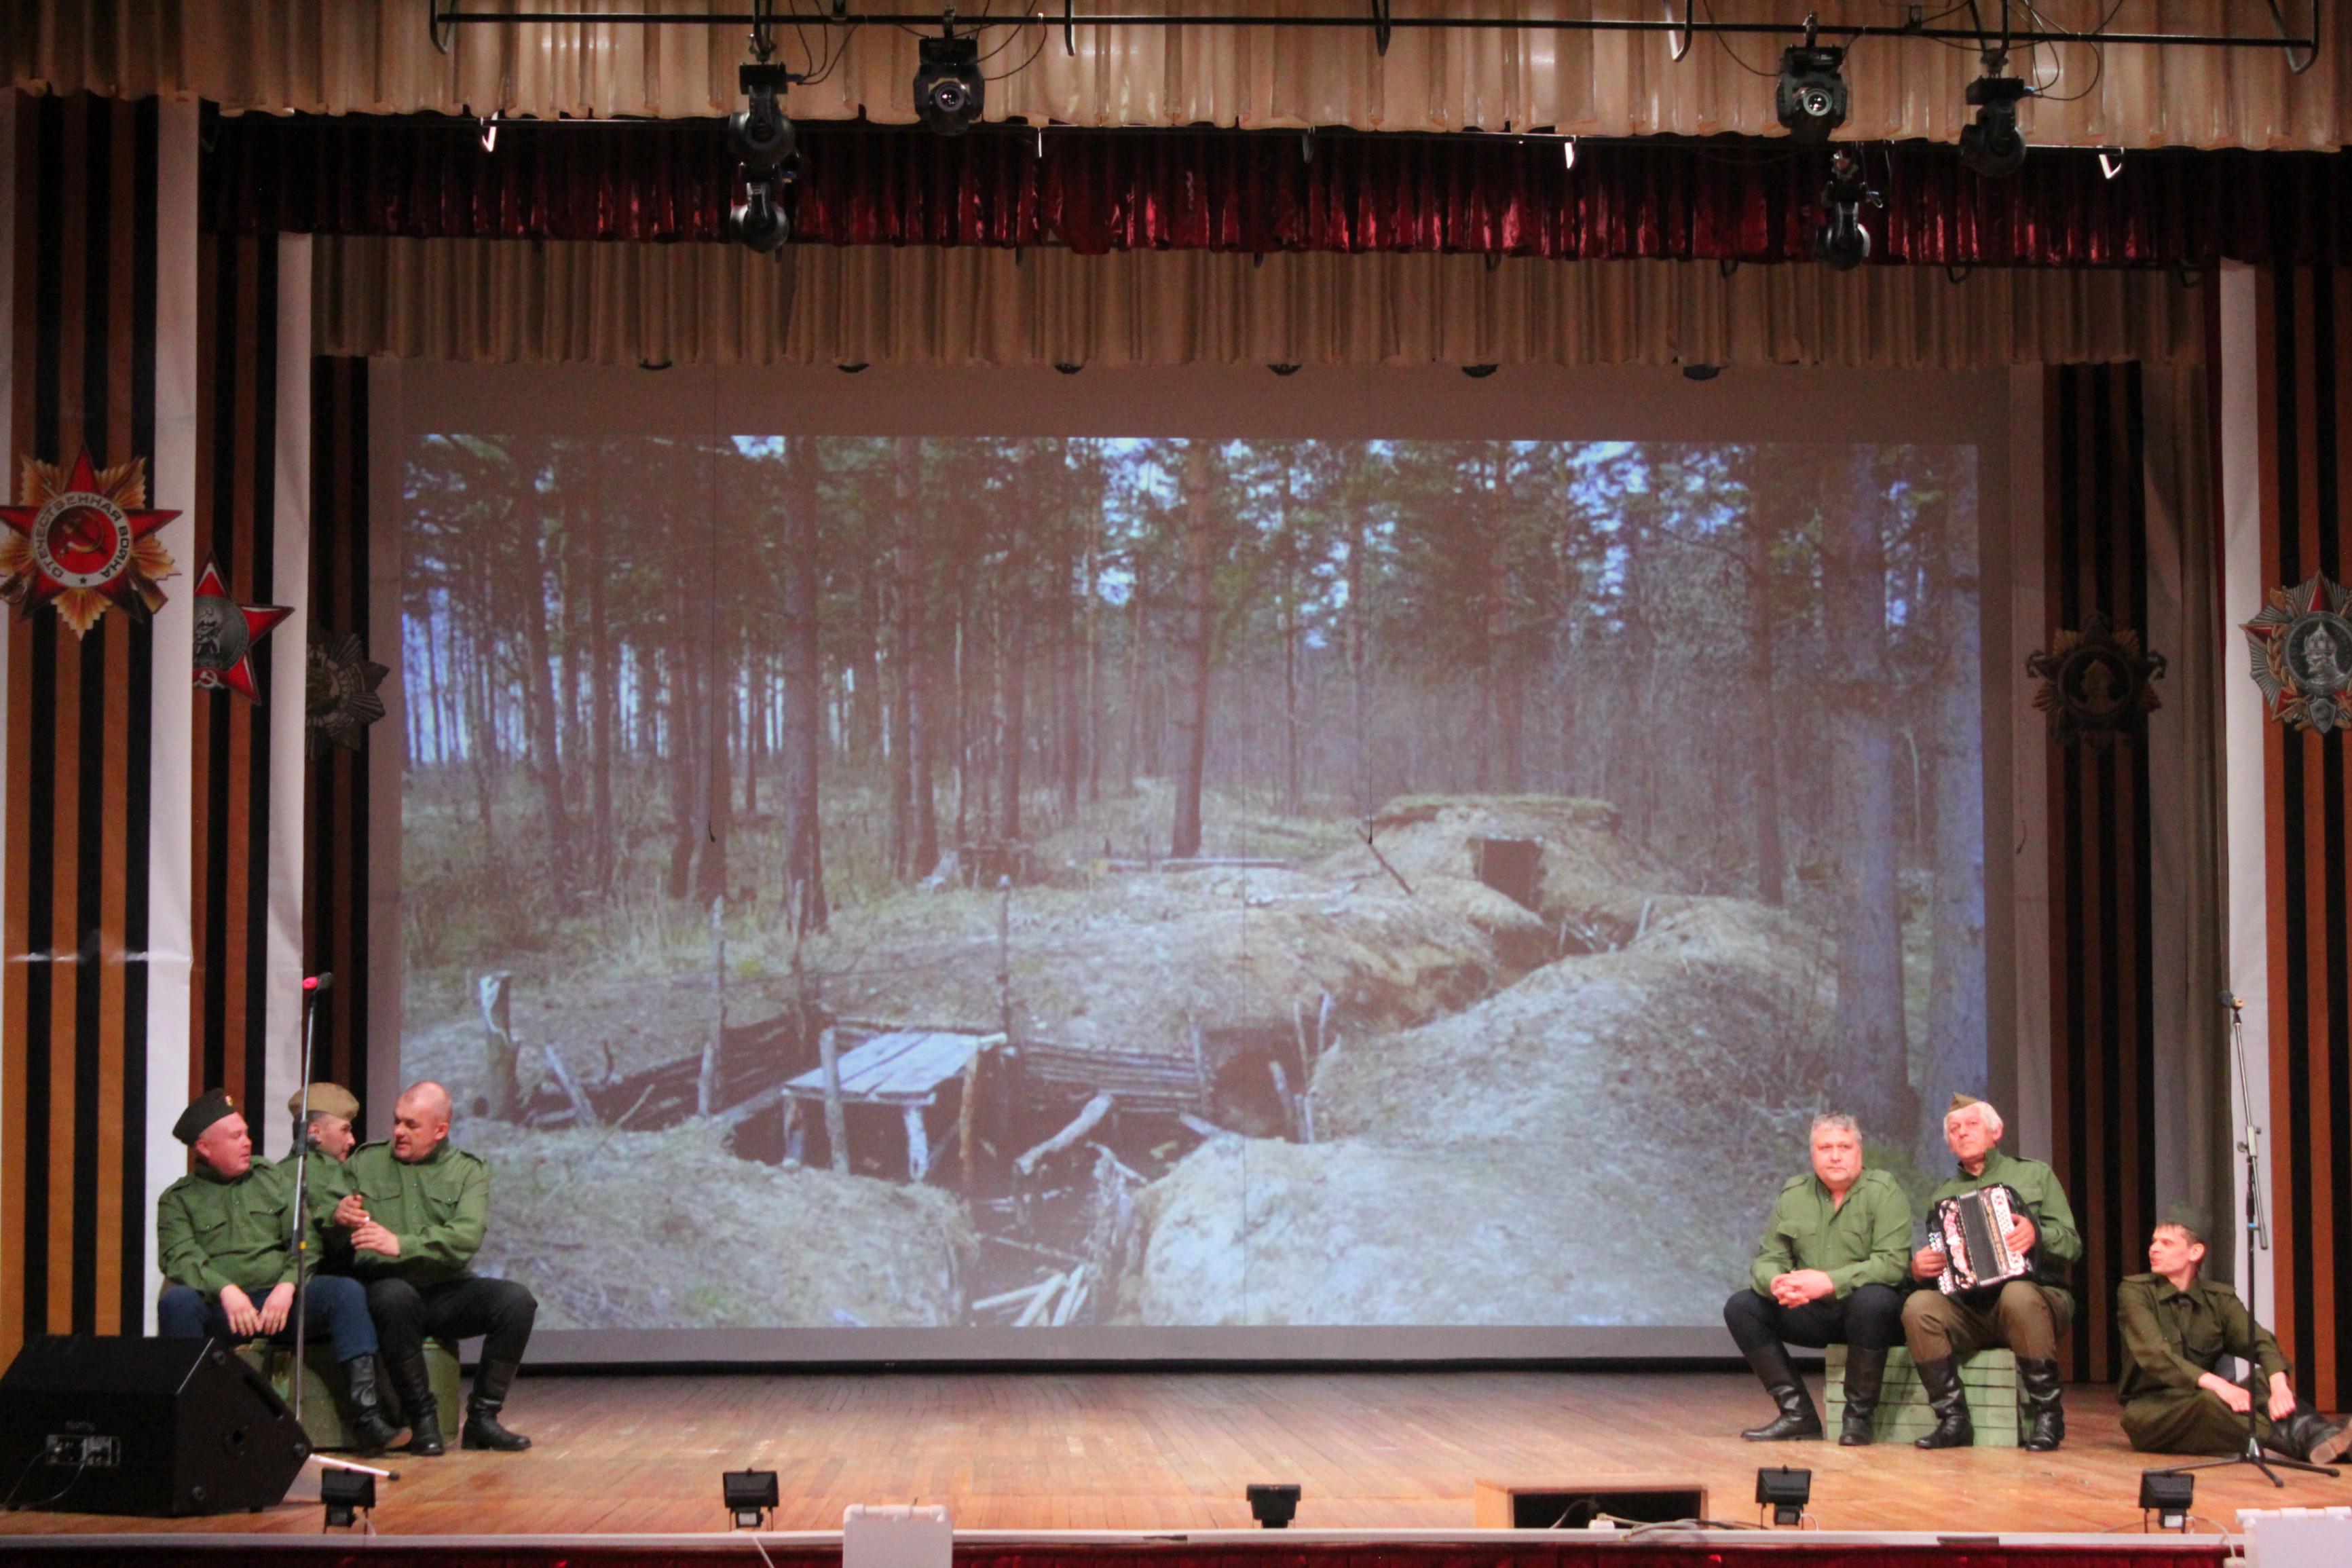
83	539
226	633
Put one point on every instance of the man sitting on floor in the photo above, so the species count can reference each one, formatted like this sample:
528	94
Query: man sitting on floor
2027	1315
1836	1247
2176	1327
225	1234
414	1209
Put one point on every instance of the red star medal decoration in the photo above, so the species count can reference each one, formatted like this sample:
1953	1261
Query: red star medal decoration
85	540
226	633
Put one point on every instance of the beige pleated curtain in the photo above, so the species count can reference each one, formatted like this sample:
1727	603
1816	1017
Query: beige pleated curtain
376	57
523	300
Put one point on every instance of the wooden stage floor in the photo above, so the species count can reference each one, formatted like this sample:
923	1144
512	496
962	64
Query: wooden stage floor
1172	1450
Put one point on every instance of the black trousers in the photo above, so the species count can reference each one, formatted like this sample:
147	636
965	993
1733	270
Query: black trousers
407	1315
1868	1316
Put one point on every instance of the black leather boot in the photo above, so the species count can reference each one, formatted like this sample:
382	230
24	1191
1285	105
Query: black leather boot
482	1430
2310	1436
369	1433
2040	1392
1941	1380
1865	1373
1798	1419
413	1384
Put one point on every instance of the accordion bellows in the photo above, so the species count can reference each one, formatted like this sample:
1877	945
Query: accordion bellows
1972	1230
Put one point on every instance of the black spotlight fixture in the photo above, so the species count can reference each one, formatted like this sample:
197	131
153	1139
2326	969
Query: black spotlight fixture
1993	146
2166	1494
949	90
347	1494
763	138
1784	1491
1812	99
1273	1505
750	1497
1842	242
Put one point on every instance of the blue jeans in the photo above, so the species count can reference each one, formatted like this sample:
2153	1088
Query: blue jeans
335	1307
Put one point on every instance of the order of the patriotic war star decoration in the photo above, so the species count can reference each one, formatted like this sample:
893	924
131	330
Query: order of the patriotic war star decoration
2098	685
227	635
83	538
2302	648
340	696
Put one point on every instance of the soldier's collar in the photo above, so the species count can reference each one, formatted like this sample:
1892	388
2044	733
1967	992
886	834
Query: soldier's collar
440	1152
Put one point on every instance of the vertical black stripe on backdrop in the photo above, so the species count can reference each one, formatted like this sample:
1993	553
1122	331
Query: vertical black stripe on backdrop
2067	524
213	985
41	763
2325	344
138	785
90	869
258	575
2143	1042
2286	481
2105	591
351	437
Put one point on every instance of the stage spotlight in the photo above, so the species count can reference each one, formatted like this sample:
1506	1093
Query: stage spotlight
347	1494
1785	1491
758	221
750	1497
948	90
1811	98
2166	1494
1273	1505
1842	242
1993	146
763	138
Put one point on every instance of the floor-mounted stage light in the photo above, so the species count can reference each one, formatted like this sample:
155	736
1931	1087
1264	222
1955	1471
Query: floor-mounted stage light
762	137
1841	243
2167	1494
750	1497
1811	101
949	90
347	1494
1273	1505
1784	1491
1993	146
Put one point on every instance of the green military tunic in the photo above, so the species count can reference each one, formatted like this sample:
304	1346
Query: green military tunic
2057	1243
211	1231
2172	1337
1867	1240
437	1206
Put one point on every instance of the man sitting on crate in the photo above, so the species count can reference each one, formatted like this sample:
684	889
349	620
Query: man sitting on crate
2026	1315
413	1209
1836	1247
225	1235
2176	1327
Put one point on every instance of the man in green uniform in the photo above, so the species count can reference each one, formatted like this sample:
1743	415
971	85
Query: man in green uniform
324	1114
2177	1328
413	1209
2026	1315
1837	1245
225	1235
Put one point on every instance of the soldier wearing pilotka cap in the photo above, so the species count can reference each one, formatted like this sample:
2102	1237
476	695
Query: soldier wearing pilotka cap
325	1113
225	1235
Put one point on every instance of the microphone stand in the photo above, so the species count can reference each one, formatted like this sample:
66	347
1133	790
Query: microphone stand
301	1239
2258	1237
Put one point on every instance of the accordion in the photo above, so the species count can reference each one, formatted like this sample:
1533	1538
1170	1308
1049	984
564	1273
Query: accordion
1972	1232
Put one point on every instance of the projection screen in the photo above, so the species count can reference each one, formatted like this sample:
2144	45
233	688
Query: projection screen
1186	864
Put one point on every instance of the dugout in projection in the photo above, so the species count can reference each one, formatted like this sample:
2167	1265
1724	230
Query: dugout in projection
1083	890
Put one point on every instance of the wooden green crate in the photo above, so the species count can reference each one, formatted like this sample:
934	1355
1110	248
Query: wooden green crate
325	1403
1988	1377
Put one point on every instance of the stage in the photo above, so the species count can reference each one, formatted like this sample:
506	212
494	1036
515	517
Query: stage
1167	1453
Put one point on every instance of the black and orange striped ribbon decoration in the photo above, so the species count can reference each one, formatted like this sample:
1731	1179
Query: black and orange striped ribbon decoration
2102	986
73	1005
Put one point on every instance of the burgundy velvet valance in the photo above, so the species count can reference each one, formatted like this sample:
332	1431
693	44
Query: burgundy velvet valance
1095	191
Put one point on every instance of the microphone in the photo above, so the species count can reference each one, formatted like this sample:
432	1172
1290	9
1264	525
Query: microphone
2229	999
318	983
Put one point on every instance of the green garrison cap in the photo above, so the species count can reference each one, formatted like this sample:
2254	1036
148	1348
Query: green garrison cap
2189	1217
209	1107
331	1098
1961	1102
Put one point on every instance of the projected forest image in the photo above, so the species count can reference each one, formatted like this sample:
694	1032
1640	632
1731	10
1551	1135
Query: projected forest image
1038	882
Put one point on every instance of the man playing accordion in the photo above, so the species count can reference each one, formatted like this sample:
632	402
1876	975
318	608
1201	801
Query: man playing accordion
2026	1315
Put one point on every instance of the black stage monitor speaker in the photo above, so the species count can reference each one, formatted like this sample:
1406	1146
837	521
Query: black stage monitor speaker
91	1424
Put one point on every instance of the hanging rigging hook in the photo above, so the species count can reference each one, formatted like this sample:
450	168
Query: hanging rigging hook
1380	29
1682	49
1070	27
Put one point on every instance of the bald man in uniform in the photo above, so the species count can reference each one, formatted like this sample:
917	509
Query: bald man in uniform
413	1208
